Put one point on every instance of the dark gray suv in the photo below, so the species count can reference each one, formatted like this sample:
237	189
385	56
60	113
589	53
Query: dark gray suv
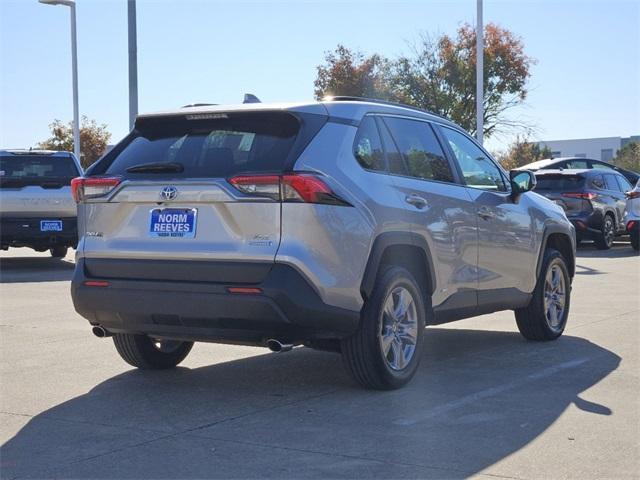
594	201
345	225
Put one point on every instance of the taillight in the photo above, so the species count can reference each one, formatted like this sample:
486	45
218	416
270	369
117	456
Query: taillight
630	225
633	194
583	195
294	187
258	185
83	188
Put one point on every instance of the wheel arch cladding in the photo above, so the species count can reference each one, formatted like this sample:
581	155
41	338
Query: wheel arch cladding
561	242
403	249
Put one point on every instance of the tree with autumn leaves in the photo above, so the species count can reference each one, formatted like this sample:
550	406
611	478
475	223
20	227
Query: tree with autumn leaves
93	139
439	76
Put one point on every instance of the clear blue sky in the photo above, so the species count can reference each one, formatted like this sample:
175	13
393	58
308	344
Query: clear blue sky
586	82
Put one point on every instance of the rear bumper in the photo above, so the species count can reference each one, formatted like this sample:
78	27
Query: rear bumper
25	232
587	225
288	308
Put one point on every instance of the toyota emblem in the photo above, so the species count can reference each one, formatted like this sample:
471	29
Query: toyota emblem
169	193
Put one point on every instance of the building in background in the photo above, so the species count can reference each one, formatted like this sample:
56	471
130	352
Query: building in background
604	148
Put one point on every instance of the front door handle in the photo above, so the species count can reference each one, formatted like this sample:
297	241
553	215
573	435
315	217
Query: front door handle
486	214
416	200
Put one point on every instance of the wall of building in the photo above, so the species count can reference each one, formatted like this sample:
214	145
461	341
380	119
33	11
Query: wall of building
597	148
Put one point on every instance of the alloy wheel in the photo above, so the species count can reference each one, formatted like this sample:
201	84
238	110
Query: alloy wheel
555	296
398	329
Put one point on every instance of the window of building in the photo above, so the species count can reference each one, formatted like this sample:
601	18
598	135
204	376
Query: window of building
580	155
606	154
556	154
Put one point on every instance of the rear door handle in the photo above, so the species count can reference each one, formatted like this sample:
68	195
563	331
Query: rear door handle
486	214
416	200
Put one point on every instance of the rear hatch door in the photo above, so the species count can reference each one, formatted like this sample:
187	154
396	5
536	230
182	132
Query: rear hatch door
174	204
36	186
566	190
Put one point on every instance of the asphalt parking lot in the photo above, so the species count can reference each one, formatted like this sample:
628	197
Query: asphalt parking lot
484	403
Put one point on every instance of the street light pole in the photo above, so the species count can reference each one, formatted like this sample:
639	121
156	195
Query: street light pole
74	67
133	63
479	75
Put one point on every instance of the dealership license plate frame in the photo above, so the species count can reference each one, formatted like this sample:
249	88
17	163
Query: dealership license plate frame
173	229
50	225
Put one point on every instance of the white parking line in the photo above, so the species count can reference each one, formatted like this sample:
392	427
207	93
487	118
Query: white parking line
474	397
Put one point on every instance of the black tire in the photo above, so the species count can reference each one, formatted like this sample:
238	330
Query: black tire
141	351
604	240
532	320
635	240
363	351
58	252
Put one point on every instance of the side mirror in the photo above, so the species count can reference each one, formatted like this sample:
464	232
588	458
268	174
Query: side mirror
521	181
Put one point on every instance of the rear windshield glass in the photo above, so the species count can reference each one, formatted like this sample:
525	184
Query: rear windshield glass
36	169
218	145
559	182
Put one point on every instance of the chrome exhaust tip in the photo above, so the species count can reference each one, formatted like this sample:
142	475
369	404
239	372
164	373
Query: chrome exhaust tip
278	347
100	332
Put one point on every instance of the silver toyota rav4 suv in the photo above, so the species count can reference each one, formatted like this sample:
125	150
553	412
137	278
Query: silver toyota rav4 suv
345	225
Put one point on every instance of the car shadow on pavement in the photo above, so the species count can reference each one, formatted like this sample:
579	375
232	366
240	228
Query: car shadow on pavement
478	397
35	269
619	250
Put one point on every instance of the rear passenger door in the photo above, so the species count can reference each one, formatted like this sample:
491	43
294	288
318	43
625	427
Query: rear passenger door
437	207
616	193
506	248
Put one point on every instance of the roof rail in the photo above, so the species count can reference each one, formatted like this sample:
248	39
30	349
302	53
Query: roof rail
347	98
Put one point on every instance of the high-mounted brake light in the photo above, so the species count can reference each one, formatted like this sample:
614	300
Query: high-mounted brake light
294	187
83	188
583	195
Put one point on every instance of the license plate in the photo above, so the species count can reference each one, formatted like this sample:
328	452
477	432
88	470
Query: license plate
50	225
173	222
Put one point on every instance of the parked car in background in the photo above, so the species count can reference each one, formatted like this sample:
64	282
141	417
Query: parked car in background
579	163
632	215
36	206
345	225
593	200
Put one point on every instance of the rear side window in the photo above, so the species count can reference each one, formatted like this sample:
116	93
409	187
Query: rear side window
597	182
36	169
224	145
367	147
420	149
559	183
396	164
610	182
623	184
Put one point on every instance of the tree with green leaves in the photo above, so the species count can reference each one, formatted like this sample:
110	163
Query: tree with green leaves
439	76
93	139
628	157
521	152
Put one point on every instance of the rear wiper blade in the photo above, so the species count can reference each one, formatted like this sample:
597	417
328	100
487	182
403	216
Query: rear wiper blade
157	167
